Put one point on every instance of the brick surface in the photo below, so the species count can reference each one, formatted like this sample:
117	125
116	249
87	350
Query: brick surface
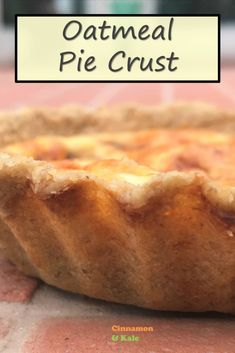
170	335
14	95
211	93
82	335
14	286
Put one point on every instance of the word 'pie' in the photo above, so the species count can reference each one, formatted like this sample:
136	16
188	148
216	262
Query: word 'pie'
143	217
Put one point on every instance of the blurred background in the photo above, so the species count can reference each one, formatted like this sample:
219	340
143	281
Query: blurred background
12	94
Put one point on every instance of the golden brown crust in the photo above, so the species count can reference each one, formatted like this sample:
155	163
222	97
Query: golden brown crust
106	240
167	243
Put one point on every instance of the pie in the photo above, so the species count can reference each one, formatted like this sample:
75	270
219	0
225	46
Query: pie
138	211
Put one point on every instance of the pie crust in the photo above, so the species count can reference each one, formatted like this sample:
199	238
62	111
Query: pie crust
166	242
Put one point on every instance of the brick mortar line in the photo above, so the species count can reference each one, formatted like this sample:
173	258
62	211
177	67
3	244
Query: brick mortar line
167	92
15	313
66	303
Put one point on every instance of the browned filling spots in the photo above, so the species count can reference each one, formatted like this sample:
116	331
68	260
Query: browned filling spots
161	150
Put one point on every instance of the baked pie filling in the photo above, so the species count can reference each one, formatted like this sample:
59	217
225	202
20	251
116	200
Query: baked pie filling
207	152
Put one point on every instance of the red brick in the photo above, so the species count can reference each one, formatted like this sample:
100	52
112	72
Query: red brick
4	328
171	335
202	92
74	94
13	95
14	286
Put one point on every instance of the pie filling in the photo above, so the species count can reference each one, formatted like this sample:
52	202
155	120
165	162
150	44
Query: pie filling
160	150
